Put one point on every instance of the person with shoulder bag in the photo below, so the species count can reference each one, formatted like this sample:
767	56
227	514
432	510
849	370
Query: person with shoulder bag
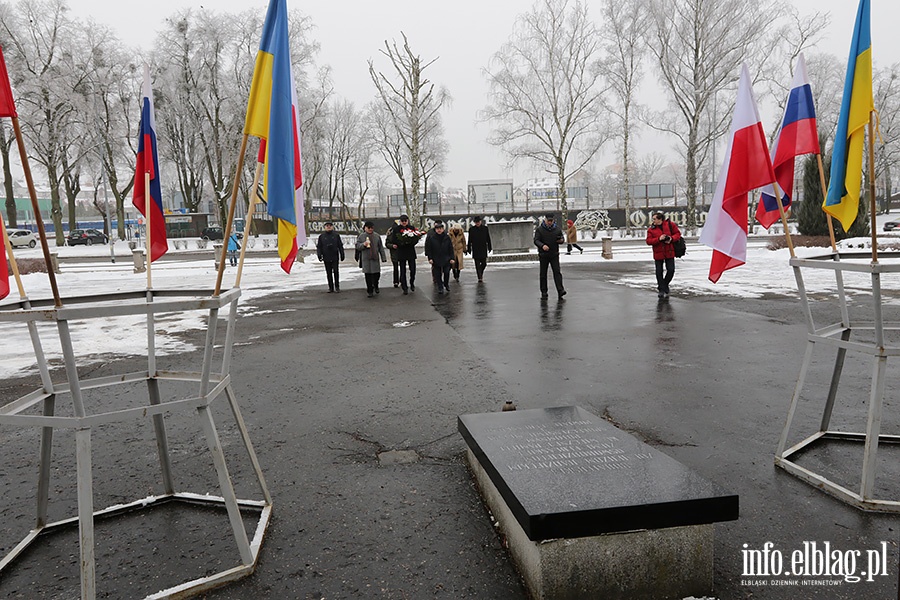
662	236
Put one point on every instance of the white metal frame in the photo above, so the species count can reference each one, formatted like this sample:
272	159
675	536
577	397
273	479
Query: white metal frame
838	336
212	385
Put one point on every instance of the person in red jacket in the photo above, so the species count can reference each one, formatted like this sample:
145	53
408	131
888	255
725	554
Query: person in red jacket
660	235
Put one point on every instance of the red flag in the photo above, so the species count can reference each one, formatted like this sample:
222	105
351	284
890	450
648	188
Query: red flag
4	270
747	167
7	105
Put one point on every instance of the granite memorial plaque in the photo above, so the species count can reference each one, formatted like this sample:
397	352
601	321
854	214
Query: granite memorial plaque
566	473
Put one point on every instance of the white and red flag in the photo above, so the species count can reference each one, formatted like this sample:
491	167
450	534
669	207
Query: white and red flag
747	166
7	109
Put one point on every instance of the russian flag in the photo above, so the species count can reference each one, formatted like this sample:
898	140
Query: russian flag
798	136
747	167
272	116
148	162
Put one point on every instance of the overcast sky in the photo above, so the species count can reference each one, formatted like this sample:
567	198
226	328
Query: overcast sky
463	34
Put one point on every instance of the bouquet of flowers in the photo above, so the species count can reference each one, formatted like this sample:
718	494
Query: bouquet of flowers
408	237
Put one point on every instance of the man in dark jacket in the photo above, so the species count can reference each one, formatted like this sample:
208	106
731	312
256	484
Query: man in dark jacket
479	245
547	237
406	253
660	235
439	250
330	250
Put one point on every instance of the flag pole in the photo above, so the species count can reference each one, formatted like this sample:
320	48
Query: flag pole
148	198
12	259
37	211
872	184
250	209
234	194
824	192
787	231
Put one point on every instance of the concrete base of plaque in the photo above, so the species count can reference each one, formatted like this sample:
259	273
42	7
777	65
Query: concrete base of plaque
656	564
589	511
512	237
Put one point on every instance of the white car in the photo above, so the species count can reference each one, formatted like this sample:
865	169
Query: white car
22	237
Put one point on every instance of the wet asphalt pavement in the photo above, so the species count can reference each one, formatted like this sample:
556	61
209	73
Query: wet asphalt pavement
330	382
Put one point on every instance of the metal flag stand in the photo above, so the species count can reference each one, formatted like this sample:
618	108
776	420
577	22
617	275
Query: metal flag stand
212	386
838	335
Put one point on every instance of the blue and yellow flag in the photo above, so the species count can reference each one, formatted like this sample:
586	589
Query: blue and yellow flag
272	116
857	106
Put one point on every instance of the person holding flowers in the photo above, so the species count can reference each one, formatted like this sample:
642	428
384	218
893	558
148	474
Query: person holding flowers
370	250
402	239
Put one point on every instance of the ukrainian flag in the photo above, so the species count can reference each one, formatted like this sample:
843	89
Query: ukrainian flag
271	116
842	200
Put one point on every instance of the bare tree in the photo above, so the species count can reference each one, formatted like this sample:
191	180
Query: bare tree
363	168
6	139
41	43
342	123
413	104
699	46
795	35
111	113
826	74
433	156
648	168
623	41
887	101
390	145
545	90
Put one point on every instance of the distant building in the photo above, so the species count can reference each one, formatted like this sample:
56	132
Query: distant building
491	191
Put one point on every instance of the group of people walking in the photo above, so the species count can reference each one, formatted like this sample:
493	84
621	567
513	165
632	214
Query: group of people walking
445	252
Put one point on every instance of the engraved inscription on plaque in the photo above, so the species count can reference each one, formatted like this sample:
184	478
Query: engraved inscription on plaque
566	447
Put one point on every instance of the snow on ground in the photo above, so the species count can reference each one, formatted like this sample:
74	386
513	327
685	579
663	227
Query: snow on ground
127	335
766	272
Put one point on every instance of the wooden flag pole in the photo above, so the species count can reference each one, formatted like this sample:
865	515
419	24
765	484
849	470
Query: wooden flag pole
234	195
37	211
872	184
12	259
787	231
148	198
824	193
250	209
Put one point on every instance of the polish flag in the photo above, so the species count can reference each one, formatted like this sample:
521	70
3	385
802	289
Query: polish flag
747	167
